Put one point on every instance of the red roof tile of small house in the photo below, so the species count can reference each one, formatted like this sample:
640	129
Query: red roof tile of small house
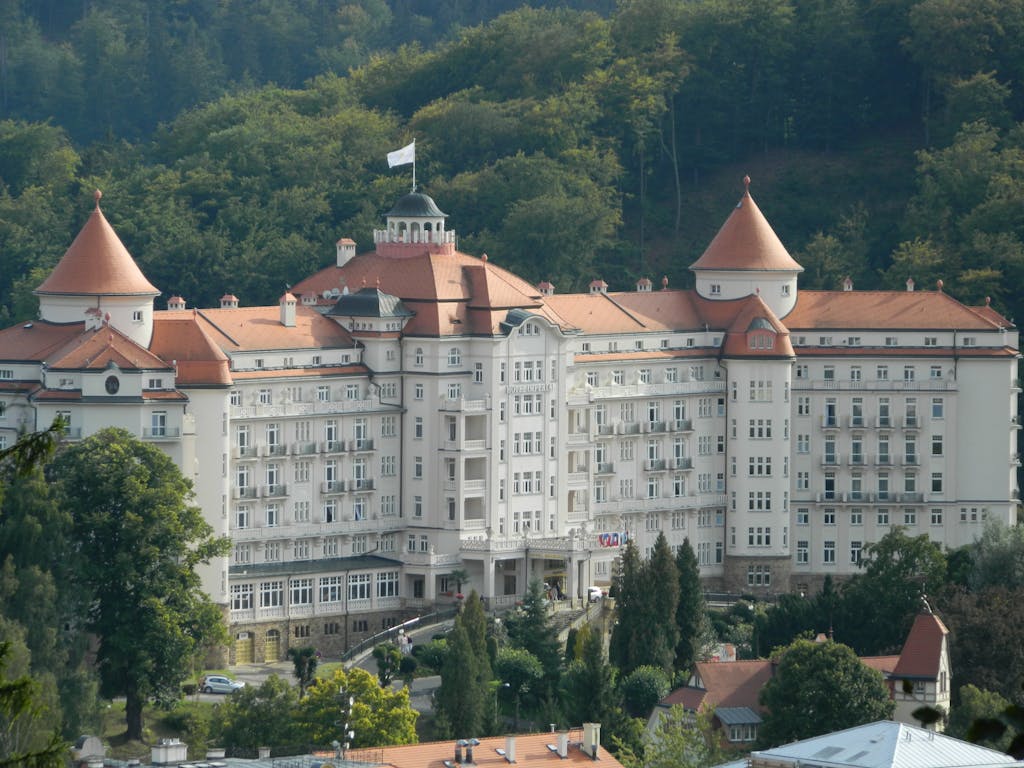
922	652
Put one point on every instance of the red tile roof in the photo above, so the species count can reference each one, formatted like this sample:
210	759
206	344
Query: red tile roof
452	293
724	684
746	242
753	315
253	329
182	339
886	310
531	749
883	664
97	348
97	264
37	341
922	650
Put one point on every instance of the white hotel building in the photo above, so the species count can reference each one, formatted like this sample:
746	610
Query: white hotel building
414	410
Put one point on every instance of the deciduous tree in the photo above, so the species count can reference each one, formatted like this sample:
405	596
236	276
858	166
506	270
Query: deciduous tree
378	716
139	541
820	687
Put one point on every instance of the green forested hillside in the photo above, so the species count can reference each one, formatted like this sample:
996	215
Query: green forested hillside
236	141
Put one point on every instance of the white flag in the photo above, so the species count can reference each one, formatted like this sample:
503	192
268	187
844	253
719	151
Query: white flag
403	156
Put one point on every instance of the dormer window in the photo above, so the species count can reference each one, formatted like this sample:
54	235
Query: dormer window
137	316
760	334
785	290
716	289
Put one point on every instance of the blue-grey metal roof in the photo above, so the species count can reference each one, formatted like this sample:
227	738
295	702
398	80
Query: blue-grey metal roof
284	568
417	205
885	744
737	715
369	302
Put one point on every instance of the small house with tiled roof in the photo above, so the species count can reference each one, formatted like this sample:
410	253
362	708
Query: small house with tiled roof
918	677
412	410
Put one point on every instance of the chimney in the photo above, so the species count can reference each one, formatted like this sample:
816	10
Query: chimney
288	302
346	248
910	285
469	751
229	301
546	288
847	283
563	745
643	285
458	750
264	753
175	302
510	748
591	739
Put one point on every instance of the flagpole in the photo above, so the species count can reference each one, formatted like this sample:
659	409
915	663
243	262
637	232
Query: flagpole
414	165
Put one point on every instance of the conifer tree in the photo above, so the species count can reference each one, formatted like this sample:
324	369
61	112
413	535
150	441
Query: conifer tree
692	611
461	696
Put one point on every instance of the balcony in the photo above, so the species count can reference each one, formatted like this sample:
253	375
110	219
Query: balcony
857	459
911	498
830	459
884	460
605	468
655	465
605	430
681	425
682	462
362	485
578	478
361	444
332	446
303	448
883	422
911	422
248	492
332	486
244	452
856	422
830	496
474	484
859	496
274	449
829	422
630	428
275	491
161	433
655	426
911	460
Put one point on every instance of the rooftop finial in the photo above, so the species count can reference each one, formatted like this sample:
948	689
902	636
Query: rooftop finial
746	184
96	196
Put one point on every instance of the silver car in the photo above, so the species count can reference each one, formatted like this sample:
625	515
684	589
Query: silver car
219	684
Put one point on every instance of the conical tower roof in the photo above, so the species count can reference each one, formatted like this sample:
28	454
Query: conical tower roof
747	242
97	264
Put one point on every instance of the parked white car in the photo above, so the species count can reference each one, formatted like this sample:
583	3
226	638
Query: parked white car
219	684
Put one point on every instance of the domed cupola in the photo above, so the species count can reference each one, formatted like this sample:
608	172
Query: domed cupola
746	257
415	223
98	278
